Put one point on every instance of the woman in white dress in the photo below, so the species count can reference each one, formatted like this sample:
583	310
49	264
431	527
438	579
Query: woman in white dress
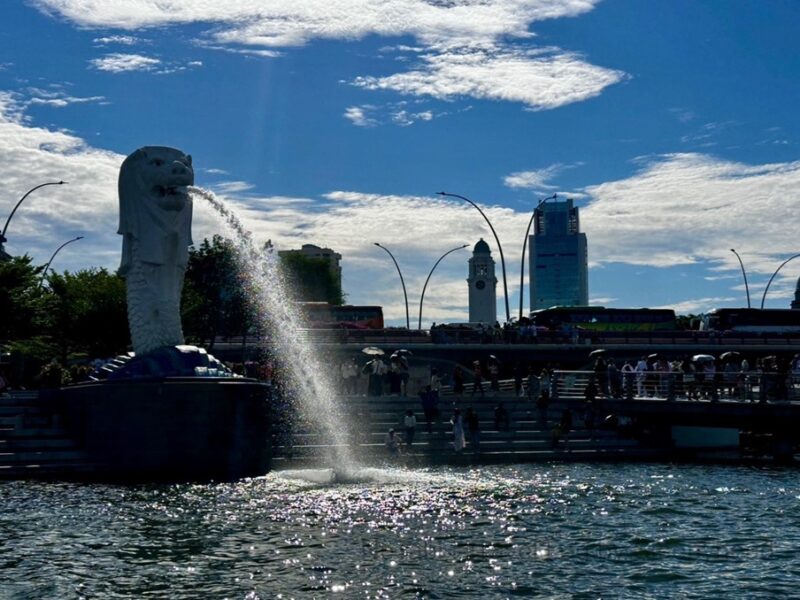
458	431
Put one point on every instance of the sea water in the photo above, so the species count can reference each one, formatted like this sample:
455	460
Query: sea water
544	530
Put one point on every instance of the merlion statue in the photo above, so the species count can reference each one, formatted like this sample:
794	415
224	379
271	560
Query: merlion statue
155	221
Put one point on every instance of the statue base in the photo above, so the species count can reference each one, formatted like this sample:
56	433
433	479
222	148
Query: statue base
169	427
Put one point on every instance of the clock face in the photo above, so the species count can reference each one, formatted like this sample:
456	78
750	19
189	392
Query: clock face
480	284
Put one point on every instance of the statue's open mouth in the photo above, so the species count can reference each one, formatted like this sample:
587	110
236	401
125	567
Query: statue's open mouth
170	190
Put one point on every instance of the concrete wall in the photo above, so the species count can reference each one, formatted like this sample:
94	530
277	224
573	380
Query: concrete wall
171	428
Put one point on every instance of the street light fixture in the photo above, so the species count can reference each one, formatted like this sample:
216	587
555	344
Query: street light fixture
764	297
402	281
422	297
499	247
47	266
21	200
524	247
747	289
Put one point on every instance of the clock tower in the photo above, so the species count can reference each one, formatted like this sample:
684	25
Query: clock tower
482	285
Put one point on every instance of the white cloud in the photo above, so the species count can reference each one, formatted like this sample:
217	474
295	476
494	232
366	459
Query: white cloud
537	179
470	48
281	23
123	40
357	115
688	208
541	79
697	306
405	118
118	62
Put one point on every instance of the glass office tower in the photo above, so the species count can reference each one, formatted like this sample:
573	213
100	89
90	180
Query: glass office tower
559	272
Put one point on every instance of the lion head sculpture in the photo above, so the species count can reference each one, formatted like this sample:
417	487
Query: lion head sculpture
155	209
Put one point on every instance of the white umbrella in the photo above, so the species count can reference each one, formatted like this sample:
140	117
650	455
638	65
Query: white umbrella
703	358
373	351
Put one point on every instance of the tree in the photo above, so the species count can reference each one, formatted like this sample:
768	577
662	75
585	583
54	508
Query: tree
23	313
311	279
214	300
89	312
687	321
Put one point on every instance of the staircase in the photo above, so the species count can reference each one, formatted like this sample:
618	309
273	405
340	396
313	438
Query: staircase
32	444
526	439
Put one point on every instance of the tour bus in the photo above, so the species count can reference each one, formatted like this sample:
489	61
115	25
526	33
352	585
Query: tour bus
755	320
599	318
321	315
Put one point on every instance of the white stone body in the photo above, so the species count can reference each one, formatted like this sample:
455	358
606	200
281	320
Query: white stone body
155	223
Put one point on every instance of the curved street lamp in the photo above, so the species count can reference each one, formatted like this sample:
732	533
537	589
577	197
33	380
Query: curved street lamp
496	239
524	247
21	200
764	297
747	289
47	266
422	297
405	295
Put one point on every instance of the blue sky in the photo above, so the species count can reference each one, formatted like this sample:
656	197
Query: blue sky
672	124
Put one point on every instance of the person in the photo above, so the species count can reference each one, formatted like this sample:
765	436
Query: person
518	376
394	376
429	406
641	376
614	380
404	375
601	375
3	385
477	376
627	379
494	375
436	383
544	381
501	417
458	382
534	386
458	431
474	427
349	370
565	426
392	443
410	423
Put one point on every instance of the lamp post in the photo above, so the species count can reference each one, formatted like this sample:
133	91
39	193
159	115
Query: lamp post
402	281
496	239
764	297
47	266
524	247
422	297
744	275
21	200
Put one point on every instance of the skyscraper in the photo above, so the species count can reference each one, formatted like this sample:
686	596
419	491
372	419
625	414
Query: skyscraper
559	272
482	285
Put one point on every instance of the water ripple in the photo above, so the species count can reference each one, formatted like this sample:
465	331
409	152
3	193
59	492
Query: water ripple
578	531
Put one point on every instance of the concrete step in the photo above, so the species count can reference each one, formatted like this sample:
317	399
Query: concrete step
45	469
26	408
36	443
36	457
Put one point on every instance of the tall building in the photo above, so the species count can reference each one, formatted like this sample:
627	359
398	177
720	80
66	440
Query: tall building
796	302
559	271
482	285
332	258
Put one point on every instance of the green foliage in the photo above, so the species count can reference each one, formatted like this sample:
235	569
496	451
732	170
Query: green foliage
214	301
23	310
311	279
687	322
89	313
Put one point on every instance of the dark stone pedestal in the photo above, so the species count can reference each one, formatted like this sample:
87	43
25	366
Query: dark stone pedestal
172	428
